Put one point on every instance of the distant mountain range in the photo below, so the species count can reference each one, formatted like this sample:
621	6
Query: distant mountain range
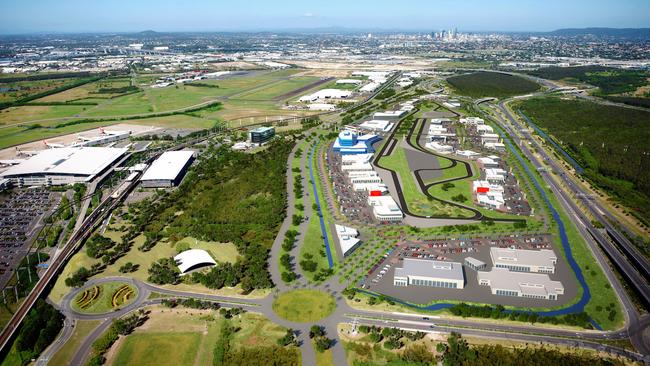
601	32
631	33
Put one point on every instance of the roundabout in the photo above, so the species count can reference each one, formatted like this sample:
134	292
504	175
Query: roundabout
304	306
103	297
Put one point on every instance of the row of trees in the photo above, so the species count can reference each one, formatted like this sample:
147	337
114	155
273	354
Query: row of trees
120	326
458	352
286	260
499	312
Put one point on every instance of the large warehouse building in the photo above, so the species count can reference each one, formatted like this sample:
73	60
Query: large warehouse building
531	285
424	272
61	166
168	170
520	260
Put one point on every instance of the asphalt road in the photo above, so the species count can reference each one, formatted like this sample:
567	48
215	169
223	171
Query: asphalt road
581	222
344	313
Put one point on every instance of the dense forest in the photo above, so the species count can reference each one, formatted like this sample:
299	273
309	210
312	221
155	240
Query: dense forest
228	196
41	325
608	80
232	197
491	84
611	143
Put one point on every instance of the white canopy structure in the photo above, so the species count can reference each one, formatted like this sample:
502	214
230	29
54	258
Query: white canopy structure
192	259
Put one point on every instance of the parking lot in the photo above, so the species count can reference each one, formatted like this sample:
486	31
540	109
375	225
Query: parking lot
354	205
515	200
380	277
21	214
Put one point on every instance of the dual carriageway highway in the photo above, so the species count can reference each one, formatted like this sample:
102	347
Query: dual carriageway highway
586	339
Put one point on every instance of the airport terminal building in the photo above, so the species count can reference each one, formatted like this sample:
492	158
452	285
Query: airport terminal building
62	166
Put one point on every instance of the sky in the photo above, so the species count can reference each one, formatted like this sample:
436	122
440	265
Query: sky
72	16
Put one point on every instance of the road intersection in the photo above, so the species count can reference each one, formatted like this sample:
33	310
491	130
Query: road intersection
344	313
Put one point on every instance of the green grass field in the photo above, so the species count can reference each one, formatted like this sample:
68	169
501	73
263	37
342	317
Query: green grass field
277	89
304	306
324	358
221	252
190	336
417	202
256	331
22	89
145	349
314	243
14	115
30	123
81	330
91	92
491	84
15	135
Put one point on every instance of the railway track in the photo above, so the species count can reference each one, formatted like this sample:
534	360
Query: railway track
106	207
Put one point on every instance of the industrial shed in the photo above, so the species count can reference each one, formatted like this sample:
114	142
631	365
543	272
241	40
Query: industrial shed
168	170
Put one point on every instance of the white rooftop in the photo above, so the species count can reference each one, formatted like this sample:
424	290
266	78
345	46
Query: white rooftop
168	165
475	262
326	94
429	268
349	81
377	125
370	87
526	282
78	161
384	205
192	259
389	114
487	161
357	158
321	107
347	238
543	257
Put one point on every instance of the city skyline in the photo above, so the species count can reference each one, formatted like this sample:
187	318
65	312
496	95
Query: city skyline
46	16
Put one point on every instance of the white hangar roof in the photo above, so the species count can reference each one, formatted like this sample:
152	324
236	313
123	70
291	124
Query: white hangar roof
167	166
193	259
